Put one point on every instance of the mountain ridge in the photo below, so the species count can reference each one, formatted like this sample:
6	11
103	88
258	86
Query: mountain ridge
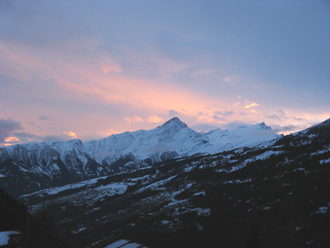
282	188
126	151
165	133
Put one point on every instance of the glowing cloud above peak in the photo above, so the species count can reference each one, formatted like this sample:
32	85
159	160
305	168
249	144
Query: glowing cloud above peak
11	139
71	134
154	119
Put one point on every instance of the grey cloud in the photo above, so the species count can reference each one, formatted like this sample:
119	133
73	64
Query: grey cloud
24	137
223	113
44	118
50	138
281	112
273	117
218	118
288	128
298	119
7	126
234	125
204	127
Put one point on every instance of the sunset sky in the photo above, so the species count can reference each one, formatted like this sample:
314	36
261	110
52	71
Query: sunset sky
89	69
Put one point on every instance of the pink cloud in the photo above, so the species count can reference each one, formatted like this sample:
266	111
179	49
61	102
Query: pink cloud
154	119
134	119
80	75
104	80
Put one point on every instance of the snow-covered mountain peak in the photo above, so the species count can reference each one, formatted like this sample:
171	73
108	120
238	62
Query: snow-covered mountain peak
262	125
174	123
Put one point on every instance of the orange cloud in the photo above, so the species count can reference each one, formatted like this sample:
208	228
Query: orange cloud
111	131
253	104
71	134
134	119
12	139
154	119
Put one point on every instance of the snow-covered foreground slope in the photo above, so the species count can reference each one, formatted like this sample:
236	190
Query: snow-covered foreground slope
126	151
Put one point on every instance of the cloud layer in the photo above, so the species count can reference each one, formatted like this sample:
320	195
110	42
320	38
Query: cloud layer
87	69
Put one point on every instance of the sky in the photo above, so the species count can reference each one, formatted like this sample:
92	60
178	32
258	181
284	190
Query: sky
89	69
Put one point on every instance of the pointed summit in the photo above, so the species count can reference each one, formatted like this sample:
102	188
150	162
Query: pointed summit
262	125
175	122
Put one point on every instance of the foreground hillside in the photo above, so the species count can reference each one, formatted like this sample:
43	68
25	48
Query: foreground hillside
35	230
273	195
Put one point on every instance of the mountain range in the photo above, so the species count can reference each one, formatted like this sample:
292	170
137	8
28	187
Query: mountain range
252	192
275	194
57	163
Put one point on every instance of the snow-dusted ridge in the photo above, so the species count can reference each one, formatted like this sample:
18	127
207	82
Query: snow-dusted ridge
131	149
176	137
